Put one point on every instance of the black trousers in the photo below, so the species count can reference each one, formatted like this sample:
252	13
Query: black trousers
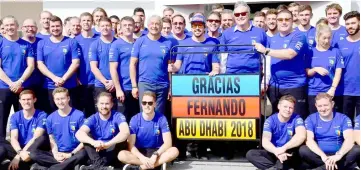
46	158
86	99
351	106
312	160
130	105
7	99
300	93
8	152
337	99
263	159
105	157
48	99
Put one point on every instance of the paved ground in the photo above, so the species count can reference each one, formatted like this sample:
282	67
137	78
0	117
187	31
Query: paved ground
201	165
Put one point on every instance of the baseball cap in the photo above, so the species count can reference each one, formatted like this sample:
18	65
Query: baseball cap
198	18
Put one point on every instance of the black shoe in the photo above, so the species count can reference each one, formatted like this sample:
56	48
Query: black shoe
131	167
36	166
86	167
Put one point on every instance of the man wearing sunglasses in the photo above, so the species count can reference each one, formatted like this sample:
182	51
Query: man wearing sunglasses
104	134
213	25
150	141
245	34
288	50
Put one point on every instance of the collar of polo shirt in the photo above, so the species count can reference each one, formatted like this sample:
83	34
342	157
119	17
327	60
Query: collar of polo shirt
236	28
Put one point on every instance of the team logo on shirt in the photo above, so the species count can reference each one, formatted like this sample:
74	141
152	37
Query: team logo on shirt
253	41
284	45
112	130
32	130
310	42
72	127
341	38
338	132
332	62
289	132
65	50
163	50
44	121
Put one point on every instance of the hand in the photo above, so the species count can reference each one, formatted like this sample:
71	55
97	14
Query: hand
16	87
59	157
213	73
259	47
263	89
109	85
14	164
324	158
331	91
172	68
280	150
106	145
147	162
320	70
153	159
283	157
331	163
98	145
120	95
66	155
58	81
135	92
169	95
24	155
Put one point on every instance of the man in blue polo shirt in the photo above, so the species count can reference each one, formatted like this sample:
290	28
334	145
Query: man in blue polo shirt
242	33
58	60
44	25
304	17
153	53
333	15
16	66
283	133
350	50
150	142
329	138
99	60
26	125
86	77
287	50
66	151
104	134
119	58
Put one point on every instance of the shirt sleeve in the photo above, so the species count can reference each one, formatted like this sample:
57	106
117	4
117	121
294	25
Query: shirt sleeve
120	118
299	121
222	40
14	122
30	51
298	42
133	125
41	121
93	55
114	53
339	60
215	56
81	120
136	48
163	123
267	126
90	122
264	39
179	56
357	123
75	50
309	123
346	123
39	51
48	125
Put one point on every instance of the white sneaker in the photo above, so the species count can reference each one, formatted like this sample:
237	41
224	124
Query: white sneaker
164	166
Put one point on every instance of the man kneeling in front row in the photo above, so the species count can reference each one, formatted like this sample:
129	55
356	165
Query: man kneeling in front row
150	142
283	133
109	132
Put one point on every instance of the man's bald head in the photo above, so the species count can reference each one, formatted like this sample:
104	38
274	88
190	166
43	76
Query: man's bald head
29	28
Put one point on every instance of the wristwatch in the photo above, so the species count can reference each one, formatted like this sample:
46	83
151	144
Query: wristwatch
156	153
72	154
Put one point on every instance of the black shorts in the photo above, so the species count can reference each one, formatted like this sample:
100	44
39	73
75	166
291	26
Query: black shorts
148	152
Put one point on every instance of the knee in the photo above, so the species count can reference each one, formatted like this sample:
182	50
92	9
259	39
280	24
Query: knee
174	152
123	156
2	150
304	151
251	154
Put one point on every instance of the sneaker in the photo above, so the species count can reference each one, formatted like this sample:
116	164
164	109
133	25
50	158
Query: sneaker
164	166
106	168
5	164
86	167
36	166
131	167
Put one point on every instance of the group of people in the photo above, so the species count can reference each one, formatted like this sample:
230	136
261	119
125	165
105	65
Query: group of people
121	68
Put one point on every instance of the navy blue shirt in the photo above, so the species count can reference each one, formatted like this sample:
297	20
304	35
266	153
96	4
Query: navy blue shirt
85	75
99	51
64	128
198	63
120	53
58	57
350	81
104	130
282	132
289	73
148	133
27	127
153	56
242	63
329	60
13	55
328	134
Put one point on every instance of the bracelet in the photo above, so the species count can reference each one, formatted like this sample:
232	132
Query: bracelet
267	51
134	87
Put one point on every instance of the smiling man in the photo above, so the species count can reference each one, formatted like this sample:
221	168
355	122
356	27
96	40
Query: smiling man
333	15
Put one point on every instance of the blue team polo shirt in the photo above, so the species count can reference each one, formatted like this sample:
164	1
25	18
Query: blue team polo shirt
338	35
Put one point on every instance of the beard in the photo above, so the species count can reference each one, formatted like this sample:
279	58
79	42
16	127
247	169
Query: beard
356	30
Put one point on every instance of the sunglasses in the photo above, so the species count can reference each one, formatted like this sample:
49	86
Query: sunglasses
284	19
198	25
240	14
145	103
214	20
